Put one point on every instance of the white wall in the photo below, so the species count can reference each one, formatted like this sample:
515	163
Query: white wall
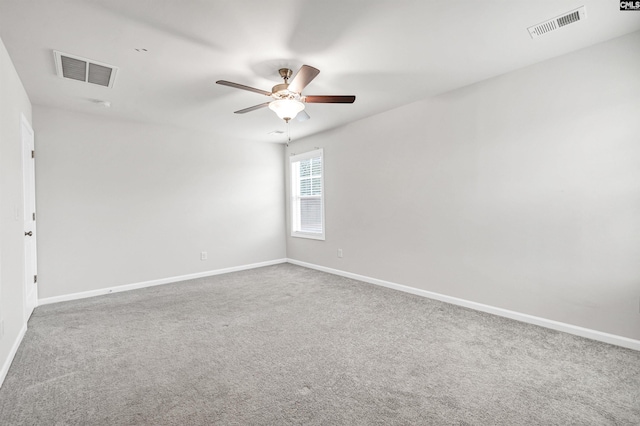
13	103
124	202
520	192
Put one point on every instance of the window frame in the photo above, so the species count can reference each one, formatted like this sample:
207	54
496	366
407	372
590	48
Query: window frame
295	197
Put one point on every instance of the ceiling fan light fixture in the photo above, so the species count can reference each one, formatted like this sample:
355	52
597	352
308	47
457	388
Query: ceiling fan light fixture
286	109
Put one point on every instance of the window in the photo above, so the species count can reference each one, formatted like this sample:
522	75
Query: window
307	195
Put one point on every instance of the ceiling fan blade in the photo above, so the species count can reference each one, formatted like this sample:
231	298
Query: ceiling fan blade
303	77
243	87
253	108
302	116
329	99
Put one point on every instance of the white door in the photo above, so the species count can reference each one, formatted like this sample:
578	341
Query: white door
29	184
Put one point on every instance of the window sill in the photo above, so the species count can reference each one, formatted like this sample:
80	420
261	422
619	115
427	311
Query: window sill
309	236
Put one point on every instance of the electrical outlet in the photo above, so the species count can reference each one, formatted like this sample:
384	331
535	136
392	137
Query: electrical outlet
203	255
340	253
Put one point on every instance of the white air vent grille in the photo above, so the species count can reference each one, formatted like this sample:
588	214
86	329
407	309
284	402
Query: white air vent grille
576	15
568	19
73	68
99	74
83	69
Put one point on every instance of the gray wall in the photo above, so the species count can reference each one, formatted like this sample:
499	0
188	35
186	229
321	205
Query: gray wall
13	103
521	192
124	202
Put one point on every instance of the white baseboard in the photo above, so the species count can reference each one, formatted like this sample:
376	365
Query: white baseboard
134	286
12	354
613	339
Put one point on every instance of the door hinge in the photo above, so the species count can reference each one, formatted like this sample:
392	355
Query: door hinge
35	279
33	154
34	216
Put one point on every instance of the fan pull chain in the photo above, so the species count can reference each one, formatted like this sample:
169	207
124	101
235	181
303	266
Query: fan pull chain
288	133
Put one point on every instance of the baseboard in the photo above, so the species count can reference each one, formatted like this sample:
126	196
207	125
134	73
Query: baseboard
12	354
135	286
613	339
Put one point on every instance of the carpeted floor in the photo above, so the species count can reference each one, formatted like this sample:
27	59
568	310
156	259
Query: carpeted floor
287	345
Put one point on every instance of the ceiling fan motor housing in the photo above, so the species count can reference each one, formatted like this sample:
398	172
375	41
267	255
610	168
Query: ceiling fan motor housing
281	91
282	88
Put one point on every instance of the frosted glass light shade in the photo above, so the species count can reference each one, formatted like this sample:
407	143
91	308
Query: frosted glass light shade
286	108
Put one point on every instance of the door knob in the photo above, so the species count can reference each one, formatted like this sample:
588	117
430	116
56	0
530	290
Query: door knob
29	233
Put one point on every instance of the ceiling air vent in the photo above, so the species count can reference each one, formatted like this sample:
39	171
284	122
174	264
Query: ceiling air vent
83	69
576	15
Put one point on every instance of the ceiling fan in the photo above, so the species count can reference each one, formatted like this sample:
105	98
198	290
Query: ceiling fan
288	101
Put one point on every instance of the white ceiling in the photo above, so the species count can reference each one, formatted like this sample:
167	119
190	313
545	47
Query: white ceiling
386	52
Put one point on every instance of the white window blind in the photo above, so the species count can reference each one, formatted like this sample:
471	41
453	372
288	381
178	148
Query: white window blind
307	195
